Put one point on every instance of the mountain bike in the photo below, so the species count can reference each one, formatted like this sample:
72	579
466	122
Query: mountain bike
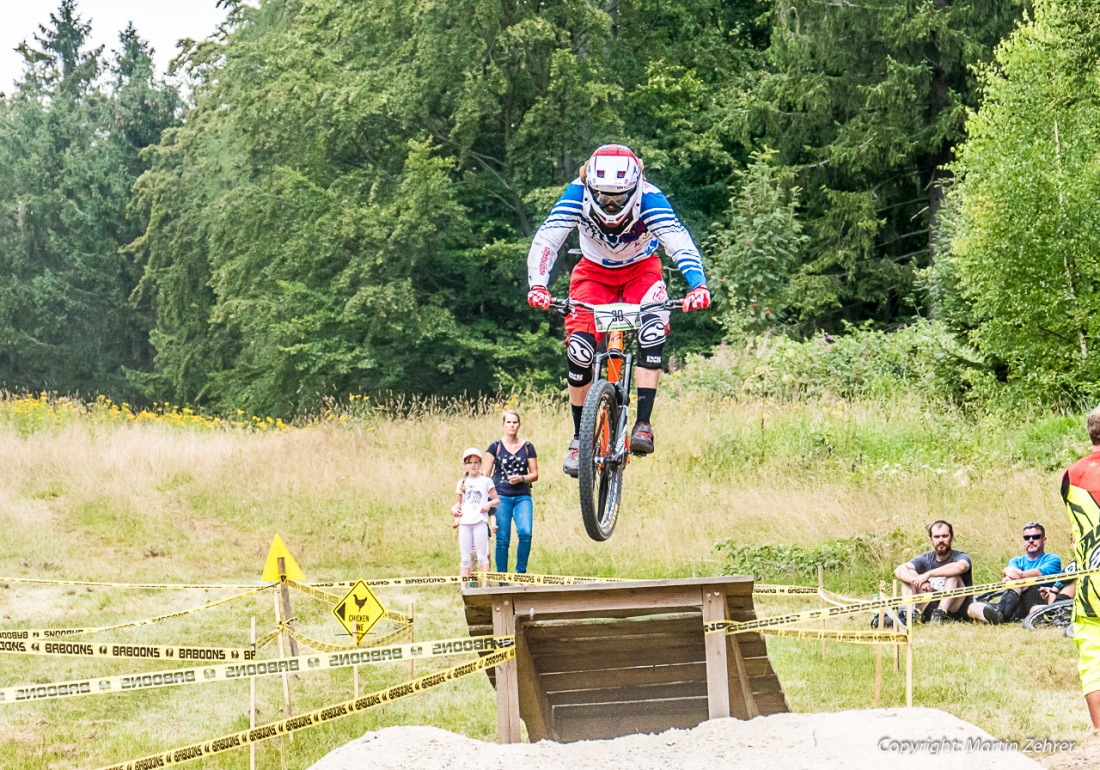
605	421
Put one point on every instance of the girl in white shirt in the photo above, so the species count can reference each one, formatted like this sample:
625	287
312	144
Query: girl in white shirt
473	512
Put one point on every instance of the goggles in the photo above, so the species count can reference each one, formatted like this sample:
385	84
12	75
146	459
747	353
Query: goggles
612	203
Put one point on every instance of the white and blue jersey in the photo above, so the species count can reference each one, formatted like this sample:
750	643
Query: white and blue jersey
656	226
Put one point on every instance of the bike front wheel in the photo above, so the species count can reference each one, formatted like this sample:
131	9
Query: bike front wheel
600	477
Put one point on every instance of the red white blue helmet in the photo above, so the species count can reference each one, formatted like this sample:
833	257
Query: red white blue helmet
613	187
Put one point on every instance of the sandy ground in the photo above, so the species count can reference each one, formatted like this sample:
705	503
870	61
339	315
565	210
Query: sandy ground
855	740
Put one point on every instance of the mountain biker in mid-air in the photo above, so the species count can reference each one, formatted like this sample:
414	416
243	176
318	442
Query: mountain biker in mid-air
622	220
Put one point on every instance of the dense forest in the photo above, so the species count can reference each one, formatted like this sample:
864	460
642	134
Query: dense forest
329	198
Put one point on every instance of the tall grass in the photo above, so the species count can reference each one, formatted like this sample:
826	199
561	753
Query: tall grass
366	494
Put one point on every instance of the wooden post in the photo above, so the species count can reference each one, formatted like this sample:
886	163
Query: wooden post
355	669
821	601
894	595
718	685
284	589
909	656
878	647
507	676
410	664
252	702
286	680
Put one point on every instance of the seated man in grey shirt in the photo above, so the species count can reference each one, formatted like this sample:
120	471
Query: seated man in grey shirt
940	569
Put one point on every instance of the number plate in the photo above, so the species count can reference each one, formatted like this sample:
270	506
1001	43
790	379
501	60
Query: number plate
617	317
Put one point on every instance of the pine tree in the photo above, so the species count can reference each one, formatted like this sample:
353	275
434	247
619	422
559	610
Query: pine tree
865	101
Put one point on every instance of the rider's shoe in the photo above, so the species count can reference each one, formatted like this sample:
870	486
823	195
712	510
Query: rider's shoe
571	466
641	438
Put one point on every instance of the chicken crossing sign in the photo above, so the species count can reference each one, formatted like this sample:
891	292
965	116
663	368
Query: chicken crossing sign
359	610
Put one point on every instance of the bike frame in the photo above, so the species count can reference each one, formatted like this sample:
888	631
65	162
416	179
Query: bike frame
619	366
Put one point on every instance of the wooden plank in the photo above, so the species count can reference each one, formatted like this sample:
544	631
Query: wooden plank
772	704
615	709
571	630
508	728
583	661
631	642
765	686
752	646
742	703
739	584
718	672
755	667
585	603
611	677
538	714
626	693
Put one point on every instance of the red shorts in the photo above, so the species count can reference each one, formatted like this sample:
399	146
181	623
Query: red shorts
598	285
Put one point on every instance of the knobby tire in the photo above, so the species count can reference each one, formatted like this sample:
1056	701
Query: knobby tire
1057	615
600	485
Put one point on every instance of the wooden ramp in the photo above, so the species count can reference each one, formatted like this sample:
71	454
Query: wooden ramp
600	660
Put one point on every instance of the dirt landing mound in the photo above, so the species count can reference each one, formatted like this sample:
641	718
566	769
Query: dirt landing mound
901	739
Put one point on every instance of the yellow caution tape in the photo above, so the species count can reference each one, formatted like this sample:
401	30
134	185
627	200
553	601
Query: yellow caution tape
427	580
329	647
503	577
142	586
51	633
740	627
316	593
851	637
74	649
231	672
839	600
768	589
312	718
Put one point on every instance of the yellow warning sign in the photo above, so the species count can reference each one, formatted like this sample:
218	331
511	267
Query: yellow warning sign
359	610
271	568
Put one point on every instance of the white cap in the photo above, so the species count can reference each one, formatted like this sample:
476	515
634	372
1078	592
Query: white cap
471	452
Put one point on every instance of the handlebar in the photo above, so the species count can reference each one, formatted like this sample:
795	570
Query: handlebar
565	305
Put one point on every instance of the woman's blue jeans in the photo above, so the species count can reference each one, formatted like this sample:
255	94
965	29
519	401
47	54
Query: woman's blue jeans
521	510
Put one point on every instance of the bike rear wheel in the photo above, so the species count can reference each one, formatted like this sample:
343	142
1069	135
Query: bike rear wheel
600	481
1057	615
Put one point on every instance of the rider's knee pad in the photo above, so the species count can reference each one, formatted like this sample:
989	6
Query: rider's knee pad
580	349
651	342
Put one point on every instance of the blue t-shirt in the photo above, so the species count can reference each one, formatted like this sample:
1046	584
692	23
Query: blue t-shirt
508	464
1047	564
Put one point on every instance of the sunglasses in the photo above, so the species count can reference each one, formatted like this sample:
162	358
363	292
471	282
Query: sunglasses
1033	537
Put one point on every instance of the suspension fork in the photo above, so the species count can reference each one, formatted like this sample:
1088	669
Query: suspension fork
620	371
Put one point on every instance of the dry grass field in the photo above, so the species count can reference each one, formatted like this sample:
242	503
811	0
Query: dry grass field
87	495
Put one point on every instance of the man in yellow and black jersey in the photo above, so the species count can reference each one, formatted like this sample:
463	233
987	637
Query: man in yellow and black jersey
1081	492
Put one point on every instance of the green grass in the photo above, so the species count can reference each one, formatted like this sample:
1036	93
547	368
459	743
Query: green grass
370	498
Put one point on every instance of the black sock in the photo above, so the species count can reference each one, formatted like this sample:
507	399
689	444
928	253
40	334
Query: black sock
577	410
645	403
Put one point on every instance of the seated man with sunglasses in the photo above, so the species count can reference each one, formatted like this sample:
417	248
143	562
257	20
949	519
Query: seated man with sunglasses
1016	603
622	220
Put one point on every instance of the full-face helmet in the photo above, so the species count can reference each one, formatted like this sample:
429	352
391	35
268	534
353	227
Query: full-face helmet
613	187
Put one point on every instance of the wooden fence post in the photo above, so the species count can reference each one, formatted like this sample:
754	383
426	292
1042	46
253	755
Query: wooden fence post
252	702
284	589
286	680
